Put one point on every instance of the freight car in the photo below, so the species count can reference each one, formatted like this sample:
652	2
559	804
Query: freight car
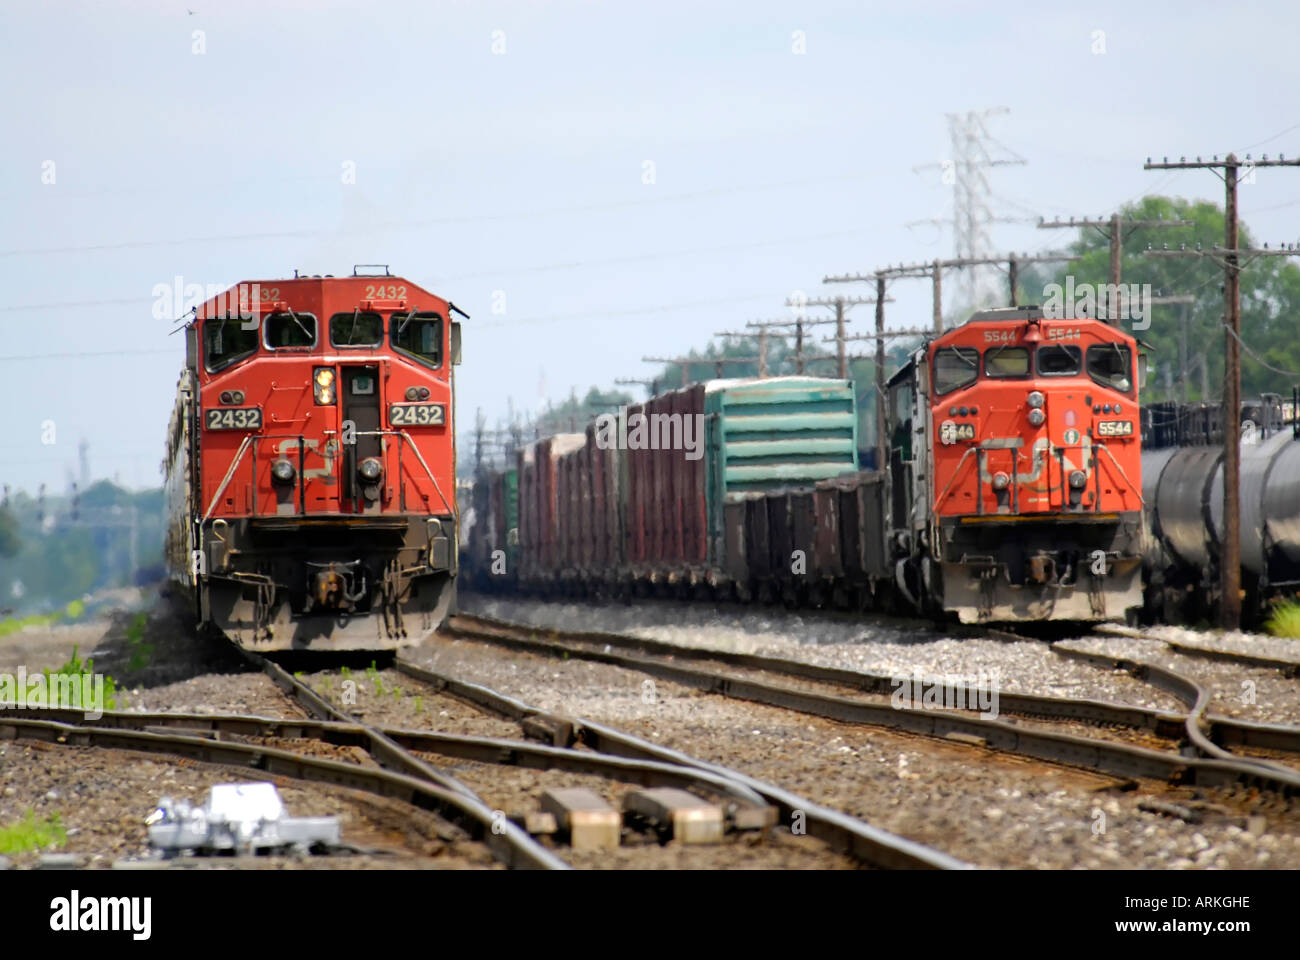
1183	477
1011	489
310	463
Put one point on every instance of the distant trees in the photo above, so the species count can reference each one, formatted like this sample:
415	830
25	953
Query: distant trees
1270	299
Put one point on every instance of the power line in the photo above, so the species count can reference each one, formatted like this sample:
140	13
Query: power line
427	222
1113	229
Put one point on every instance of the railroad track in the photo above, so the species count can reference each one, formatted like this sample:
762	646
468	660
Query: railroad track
842	833
512	847
600	751
861	840
671	662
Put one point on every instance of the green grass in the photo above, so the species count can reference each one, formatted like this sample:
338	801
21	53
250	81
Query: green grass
75	667
1285	621
14	624
32	834
141	652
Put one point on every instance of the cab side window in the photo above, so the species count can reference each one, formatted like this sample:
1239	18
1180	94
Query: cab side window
1111	365
418	334
955	367
226	342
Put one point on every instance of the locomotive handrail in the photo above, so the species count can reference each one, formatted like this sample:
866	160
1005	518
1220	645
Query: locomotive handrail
402	434
239	456
1137	491
952	479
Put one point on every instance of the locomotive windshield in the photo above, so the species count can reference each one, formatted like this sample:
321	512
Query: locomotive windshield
419	334
954	367
1111	365
226	341
1057	360
356	329
1003	362
290	330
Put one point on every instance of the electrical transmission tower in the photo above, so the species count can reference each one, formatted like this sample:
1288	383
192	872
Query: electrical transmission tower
974	151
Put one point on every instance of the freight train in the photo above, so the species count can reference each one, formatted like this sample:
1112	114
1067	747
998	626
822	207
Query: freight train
310	478
1010	488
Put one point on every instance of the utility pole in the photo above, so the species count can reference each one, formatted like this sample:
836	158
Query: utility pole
934	270
685	363
651	385
1230	256
880	336
1114	229
762	345
842	305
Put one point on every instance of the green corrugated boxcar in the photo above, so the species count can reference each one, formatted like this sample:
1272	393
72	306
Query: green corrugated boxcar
773	433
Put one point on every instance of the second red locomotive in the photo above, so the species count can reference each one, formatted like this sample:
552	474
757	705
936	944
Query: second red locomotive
1015	469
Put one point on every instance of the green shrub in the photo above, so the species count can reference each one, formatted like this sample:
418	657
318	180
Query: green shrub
1285	621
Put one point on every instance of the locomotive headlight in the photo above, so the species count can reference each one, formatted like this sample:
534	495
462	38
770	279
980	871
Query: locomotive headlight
370	470
1078	479
1035	399
412	393
323	385
1001	481
1036	417
282	471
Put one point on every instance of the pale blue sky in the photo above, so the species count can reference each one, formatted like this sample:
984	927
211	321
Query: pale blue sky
478	172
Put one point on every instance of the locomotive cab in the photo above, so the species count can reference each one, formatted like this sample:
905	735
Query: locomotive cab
1015	470
310	466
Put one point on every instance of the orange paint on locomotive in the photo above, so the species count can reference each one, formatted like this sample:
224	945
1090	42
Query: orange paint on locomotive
352	322
1033	418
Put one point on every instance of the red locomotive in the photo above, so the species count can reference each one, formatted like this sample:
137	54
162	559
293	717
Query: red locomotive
311	463
1015	470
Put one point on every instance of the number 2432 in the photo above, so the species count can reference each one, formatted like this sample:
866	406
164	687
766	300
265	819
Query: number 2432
379	291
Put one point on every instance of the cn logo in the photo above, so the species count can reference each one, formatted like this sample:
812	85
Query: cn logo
1098	563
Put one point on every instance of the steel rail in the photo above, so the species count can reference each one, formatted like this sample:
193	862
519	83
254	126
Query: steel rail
1167	724
1186	690
840	831
491	750
378	744
1101	755
507	842
1288	668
